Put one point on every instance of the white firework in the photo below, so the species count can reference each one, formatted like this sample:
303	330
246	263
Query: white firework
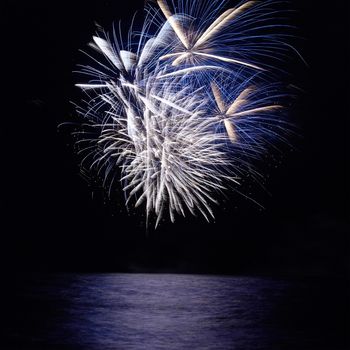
159	104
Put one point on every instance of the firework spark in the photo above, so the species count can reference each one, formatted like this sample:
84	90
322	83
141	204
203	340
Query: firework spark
157	106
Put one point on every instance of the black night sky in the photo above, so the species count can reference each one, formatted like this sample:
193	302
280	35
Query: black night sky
53	223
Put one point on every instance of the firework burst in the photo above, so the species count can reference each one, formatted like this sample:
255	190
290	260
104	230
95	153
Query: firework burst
179	111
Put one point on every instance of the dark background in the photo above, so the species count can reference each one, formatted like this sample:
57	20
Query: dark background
53	223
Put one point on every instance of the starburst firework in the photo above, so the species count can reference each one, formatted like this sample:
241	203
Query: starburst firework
185	106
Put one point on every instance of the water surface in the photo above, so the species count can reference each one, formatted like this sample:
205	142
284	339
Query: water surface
167	311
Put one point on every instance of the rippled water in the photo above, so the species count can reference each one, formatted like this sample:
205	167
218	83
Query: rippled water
160	311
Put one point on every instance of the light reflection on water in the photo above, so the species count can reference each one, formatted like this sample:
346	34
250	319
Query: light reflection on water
156	311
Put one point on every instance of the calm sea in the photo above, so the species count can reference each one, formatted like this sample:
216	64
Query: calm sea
169	311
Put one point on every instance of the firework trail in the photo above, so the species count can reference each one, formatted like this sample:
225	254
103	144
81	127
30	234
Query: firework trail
186	105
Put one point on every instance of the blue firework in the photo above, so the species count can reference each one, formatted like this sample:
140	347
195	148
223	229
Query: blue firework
186	104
